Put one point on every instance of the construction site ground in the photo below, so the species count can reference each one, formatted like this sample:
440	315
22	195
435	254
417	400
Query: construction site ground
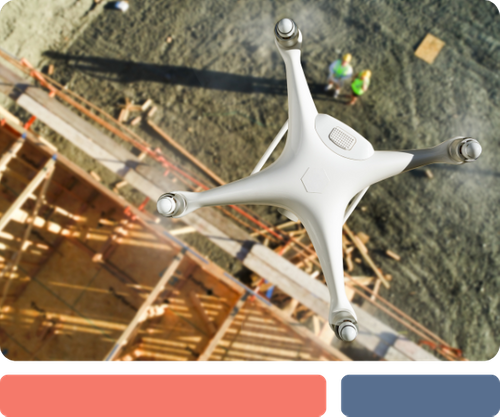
214	73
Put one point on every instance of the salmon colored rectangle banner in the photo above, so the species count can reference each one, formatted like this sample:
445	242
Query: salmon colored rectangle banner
162	395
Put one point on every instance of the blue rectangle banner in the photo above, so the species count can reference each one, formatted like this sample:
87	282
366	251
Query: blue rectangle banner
420	395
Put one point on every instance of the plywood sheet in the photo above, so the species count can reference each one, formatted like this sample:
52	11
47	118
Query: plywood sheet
429	49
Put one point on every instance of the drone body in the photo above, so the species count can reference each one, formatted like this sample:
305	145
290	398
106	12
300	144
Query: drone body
324	166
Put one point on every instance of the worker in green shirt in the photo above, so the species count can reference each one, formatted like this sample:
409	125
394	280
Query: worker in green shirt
339	72
360	85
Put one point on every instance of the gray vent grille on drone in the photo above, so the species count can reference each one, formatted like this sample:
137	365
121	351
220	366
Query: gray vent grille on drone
341	139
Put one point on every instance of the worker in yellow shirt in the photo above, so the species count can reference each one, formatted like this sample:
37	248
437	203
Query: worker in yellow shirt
360	85
339	72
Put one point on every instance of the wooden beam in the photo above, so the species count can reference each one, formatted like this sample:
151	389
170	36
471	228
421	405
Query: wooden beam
139	317
221	331
287	224
146	105
112	269
108	246
203	314
316	325
9	154
16	258
365	255
89	138
429	48
21	199
326	334
9	117
359	280
182	231
303	332
289	309
186	153
306	259
49	333
375	290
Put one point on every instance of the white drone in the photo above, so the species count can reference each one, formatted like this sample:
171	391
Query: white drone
320	177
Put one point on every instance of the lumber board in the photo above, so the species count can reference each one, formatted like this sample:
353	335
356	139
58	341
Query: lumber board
187	154
52	115
14	263
11	82
9	154
221	331
429	49
365	255
139	317
202	313
35	182
255	335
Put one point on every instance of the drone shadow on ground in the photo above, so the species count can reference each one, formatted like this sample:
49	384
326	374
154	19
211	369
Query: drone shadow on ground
129	71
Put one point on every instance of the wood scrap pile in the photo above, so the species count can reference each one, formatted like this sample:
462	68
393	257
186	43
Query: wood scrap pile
359	267
145	108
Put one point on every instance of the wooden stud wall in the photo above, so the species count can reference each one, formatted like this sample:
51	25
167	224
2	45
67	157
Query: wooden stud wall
88	269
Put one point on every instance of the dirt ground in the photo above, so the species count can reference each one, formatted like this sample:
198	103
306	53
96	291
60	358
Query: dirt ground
221	91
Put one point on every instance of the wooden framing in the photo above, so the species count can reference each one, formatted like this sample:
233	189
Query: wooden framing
76	306
131	329
11	266
21	199
11	153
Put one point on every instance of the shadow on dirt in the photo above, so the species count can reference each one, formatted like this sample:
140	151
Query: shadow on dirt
129	71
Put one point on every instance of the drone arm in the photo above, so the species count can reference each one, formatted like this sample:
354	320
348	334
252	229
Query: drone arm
386	164
255	189
453	151
301	108
300	102
324	227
